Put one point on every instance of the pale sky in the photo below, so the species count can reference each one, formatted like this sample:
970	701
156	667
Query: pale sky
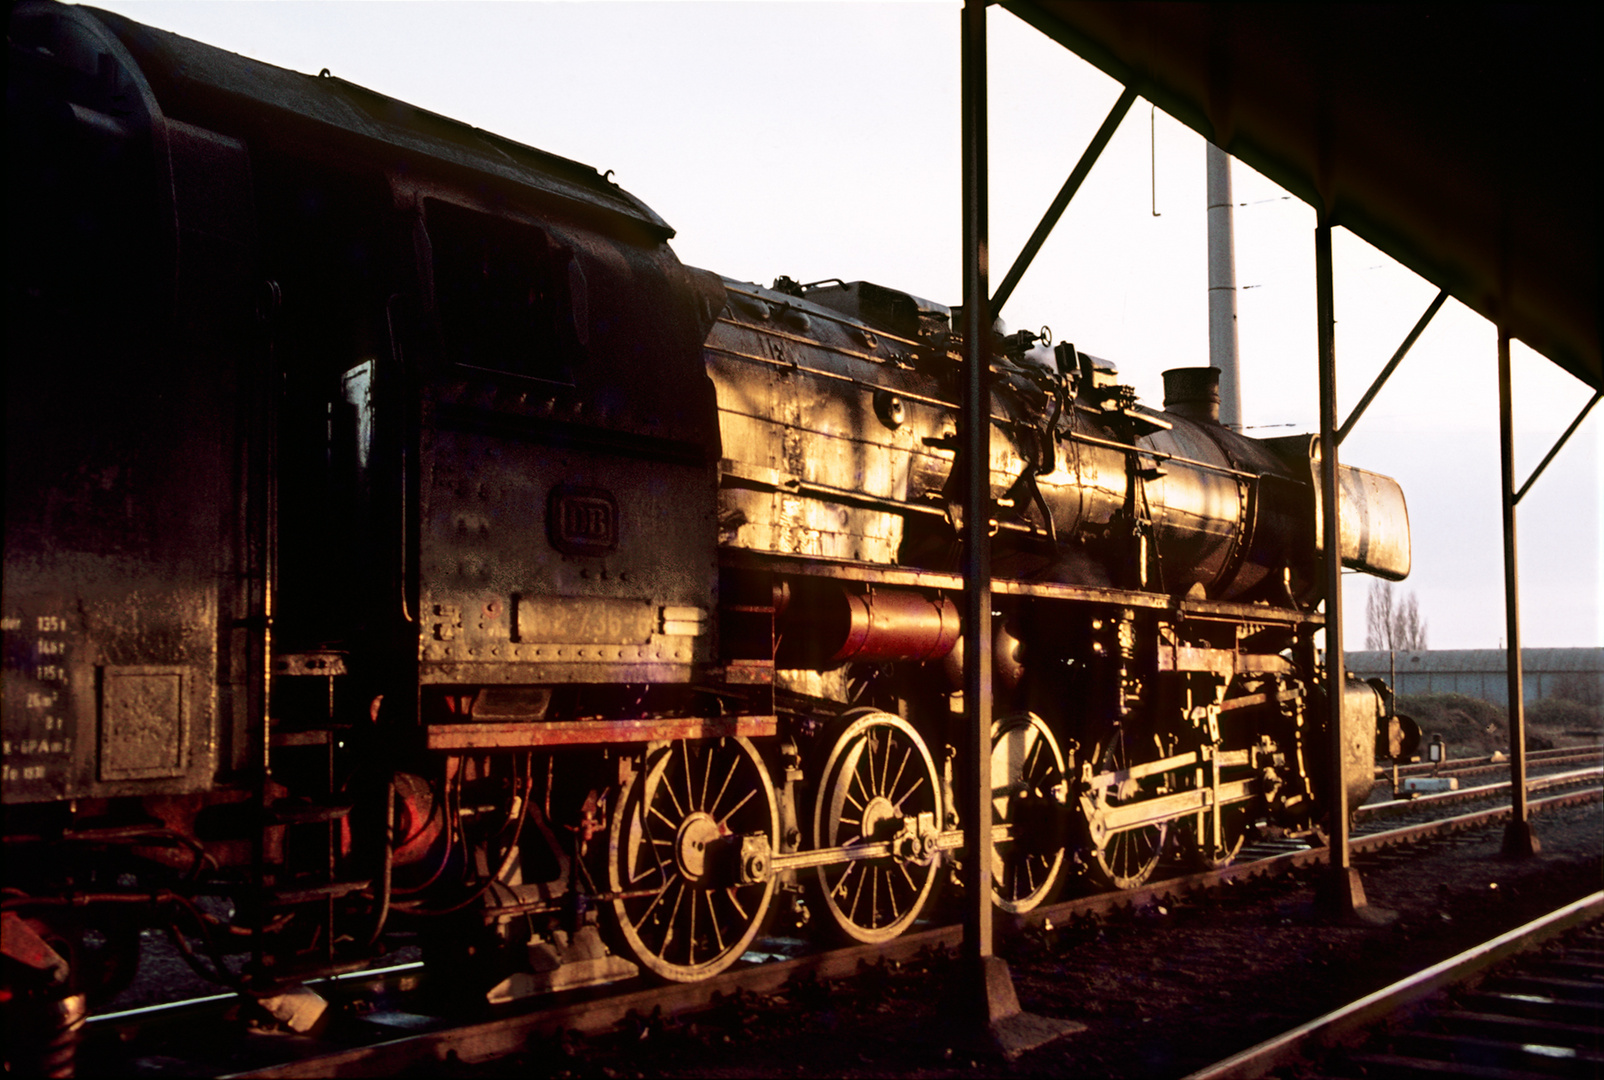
820	140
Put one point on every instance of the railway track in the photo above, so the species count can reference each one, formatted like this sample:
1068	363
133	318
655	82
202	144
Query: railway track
1537	763
379	1028
1473	766
1365	815
1526	1017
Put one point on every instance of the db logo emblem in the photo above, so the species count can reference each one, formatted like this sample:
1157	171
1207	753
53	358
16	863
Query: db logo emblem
582	521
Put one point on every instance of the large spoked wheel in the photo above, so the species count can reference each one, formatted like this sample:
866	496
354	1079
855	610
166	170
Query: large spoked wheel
674	856
877	775
1129	857
1027	785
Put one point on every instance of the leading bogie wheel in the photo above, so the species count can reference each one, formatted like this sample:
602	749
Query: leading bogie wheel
878	779
1199	844
674	856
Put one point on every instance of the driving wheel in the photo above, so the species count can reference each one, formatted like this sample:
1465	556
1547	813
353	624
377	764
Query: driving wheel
674	856
1128	857
878	777
1027	787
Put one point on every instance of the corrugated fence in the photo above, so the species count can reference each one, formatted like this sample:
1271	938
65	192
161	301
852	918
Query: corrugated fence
1577	674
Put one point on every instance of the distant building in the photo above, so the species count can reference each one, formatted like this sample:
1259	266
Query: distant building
1577	674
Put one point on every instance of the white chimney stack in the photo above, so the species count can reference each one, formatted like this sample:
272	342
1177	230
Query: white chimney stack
1222	287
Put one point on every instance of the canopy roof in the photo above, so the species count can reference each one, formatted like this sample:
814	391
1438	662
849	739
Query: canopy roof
1462	141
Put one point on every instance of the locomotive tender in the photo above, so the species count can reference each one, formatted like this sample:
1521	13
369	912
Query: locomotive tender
400	540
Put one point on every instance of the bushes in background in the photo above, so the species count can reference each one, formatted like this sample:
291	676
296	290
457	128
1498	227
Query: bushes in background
1472	727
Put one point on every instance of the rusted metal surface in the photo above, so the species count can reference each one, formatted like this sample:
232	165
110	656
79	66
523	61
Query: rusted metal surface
1219	661
811	466
816	566
1373	516
21	942
584	732
114	679
326	664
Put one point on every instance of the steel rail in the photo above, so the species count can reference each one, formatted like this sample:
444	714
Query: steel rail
595	1011
1471	794
1156	891
1502	766
1466	766
1409	833
1335	1027
160	1007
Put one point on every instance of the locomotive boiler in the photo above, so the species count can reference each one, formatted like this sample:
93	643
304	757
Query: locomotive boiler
403	545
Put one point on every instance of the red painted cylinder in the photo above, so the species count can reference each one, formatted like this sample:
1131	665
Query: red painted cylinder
891	625
827	624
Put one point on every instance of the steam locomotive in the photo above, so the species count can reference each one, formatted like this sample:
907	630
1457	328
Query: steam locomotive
402	544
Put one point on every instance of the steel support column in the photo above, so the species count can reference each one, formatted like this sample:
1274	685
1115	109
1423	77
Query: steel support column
989	1018
1518	839
1391	366
1343	893
1055	210
974	457
1558	446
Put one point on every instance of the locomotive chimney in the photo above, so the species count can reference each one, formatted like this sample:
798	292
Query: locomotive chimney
1222	285
1193	392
